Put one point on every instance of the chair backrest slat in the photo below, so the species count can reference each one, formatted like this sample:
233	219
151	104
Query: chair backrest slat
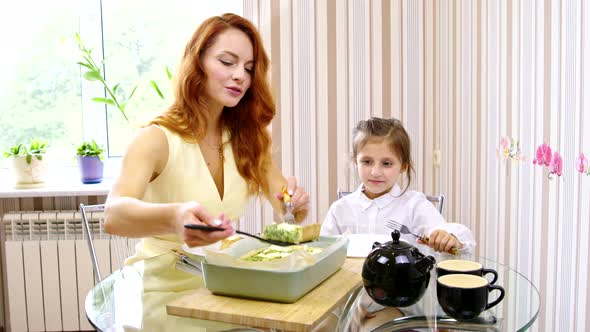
85	225
120	248
437	200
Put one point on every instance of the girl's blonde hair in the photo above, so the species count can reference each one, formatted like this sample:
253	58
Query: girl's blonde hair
391	131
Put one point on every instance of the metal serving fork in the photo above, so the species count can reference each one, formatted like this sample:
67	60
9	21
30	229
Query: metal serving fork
289	218
405	230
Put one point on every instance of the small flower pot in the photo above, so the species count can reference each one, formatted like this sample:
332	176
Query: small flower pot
91	169
29	175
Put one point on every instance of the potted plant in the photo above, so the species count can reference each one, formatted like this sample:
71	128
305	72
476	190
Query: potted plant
28	165
90	161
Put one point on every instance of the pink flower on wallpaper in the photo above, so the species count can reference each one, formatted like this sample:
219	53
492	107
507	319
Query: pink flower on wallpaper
543	155
556	166
582	164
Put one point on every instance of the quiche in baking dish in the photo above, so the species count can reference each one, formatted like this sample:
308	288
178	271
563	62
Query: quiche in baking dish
277	252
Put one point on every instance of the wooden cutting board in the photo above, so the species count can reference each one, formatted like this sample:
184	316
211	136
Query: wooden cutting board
302	315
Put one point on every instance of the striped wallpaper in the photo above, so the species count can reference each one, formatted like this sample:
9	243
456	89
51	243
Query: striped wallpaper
460	75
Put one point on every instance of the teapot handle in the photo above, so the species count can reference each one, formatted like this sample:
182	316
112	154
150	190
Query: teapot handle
416	252
425	263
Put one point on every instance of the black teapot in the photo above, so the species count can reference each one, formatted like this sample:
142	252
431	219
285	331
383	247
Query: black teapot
396	273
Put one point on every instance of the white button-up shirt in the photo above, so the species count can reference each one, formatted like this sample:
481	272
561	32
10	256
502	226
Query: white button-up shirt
357	214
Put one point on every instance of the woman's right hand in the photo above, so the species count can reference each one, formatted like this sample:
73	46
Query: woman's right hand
195	213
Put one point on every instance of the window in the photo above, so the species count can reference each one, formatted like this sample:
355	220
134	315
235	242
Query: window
42	93
40	83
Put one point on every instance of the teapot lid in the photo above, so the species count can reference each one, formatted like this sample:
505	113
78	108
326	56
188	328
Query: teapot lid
396	244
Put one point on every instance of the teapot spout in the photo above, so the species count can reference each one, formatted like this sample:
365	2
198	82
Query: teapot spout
425	264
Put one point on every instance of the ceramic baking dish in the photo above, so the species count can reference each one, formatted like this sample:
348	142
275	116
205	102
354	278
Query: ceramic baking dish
277	286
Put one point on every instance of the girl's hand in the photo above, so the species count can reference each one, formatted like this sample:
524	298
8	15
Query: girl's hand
442	241
194	213
299	199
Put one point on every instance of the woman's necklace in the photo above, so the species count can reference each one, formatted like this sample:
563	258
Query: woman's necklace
218	148
212	146
215	170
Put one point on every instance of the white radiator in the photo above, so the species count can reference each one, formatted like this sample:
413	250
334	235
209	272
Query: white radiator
49	270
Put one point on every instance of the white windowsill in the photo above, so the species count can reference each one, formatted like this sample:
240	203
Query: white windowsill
65	183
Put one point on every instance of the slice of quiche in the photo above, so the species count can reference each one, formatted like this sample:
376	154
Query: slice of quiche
292	233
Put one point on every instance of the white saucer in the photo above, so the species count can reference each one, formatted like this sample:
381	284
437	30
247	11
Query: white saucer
360	245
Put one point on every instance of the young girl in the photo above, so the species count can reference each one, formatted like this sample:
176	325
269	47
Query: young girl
381	154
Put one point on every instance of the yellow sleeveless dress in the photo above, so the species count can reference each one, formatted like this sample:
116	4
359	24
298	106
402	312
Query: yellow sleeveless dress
184	178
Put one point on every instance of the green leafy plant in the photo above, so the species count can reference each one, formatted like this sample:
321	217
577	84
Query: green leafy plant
17	150
115	95
90	149
36	149
157	88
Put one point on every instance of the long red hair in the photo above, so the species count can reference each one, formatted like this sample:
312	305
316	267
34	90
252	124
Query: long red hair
246	122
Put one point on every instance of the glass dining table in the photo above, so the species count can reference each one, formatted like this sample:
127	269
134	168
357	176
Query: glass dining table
120	302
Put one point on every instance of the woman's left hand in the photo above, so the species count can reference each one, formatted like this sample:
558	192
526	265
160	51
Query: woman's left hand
299	199
443	241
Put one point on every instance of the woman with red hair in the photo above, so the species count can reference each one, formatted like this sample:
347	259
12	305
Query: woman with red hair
201	160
